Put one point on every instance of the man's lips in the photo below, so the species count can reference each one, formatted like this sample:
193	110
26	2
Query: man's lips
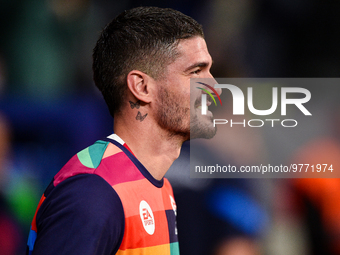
198	103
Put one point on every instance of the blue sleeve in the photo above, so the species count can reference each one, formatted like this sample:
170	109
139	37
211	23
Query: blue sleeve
82	215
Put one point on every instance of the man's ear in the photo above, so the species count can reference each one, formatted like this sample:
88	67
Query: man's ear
139	84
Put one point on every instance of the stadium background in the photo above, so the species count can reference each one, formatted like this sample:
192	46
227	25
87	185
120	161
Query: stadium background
49	110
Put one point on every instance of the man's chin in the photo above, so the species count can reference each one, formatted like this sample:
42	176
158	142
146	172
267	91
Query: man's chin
201	126
204	135
206	132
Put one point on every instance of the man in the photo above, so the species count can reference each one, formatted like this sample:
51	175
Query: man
111	198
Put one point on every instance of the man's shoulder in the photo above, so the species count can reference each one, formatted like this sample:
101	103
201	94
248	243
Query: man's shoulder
82	207
103	158
84	162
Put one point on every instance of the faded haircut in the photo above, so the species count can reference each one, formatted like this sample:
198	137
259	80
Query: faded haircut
144	39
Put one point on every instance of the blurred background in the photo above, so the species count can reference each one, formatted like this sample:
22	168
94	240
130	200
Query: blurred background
50	110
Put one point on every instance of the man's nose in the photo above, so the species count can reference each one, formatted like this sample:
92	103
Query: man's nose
213	83
218	90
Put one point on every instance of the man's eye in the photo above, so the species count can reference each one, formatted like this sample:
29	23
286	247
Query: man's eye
196	71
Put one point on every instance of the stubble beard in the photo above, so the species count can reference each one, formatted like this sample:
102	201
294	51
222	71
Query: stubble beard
171	115
200	129
178	120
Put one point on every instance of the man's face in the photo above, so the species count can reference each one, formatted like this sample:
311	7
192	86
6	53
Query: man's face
174	92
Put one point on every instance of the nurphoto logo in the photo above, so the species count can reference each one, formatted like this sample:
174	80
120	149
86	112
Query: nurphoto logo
298	97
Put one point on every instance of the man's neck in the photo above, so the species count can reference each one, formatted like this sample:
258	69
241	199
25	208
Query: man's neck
150	144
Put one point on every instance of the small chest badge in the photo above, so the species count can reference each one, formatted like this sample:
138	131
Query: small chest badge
147	217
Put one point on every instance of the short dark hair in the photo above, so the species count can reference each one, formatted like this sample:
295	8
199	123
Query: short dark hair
144	39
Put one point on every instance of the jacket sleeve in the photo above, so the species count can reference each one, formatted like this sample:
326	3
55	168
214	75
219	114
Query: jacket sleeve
81	215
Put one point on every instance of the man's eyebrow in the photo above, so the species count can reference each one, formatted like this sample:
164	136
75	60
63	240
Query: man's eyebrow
199	64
